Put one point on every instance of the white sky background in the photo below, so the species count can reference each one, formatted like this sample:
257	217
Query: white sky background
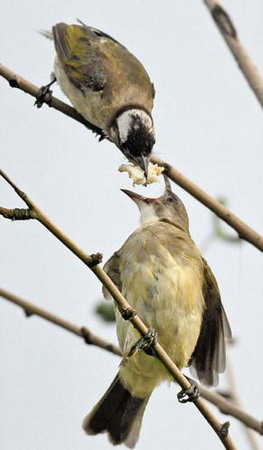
209	126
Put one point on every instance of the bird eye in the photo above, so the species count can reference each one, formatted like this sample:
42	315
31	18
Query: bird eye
170	199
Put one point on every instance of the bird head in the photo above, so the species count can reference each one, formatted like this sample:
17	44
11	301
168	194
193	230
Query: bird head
167	208
133	132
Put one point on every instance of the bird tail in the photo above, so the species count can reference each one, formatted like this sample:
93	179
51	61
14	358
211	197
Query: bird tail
119	413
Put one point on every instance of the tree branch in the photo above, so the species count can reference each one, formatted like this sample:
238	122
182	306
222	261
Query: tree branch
229	33
244	231
230	408
225	406
127	312
16	81
83	332
237	400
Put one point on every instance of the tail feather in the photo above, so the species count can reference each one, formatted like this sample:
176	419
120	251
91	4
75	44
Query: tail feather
118	413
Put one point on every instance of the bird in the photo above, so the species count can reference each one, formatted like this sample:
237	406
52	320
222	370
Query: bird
107	85
163	275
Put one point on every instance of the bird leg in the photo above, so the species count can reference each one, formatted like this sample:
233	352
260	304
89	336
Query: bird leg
145	343
190	394
45	93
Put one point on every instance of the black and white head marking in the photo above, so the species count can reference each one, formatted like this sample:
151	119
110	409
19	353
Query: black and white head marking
136	132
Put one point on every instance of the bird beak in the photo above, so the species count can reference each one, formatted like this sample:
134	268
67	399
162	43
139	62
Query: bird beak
135	197
168	187
143	162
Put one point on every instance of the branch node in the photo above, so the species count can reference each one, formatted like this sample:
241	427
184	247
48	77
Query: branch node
86	335
223	21
13	82
16	213
28	313
94	259
21	214
128	313
224	430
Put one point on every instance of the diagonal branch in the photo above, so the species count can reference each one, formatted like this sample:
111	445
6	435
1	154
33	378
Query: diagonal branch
127	312
231	408
16	81
229	33
83	332
225	406
244	231
252	439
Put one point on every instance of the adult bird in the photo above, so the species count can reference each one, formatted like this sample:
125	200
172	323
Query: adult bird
107	85
162	274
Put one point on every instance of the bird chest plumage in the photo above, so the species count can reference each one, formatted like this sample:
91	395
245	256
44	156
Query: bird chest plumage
163	282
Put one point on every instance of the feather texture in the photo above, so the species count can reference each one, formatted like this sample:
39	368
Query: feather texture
98	74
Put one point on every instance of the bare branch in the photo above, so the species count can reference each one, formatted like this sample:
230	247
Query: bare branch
230	408
83	332
244	231
16	81
236	398
225	406
229	33
127	312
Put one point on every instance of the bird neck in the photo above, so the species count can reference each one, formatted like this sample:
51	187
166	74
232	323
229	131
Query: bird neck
148	214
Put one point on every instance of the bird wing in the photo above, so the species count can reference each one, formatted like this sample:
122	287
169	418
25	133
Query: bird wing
209	356
78	52
112	269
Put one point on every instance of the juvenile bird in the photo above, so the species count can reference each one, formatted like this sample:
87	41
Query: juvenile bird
107	85
163	275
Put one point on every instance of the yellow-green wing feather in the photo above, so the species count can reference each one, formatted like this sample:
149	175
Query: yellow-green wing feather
78	53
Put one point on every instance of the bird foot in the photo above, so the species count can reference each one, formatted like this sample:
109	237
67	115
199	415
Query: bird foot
44	94
145	343
189	395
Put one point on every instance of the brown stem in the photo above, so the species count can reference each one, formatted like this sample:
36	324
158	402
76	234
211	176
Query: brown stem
228	30
236	398
230	408
83	332
244	231
16	81
123	305
225	406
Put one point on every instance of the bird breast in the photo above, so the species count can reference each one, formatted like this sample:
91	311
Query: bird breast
163	283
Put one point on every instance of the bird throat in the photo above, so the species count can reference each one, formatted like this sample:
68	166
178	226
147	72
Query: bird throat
148	214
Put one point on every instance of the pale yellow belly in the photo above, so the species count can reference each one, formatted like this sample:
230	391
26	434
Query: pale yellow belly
89	105
171	302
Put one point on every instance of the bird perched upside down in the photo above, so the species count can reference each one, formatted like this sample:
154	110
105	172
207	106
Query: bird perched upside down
107	85
163	275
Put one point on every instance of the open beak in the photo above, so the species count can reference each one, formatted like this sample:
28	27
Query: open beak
143	162
135	197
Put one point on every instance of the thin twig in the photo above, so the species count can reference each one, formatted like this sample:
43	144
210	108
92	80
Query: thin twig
244	231
16	81
127	312
228	30
225	406
232	409
250	435
83	332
